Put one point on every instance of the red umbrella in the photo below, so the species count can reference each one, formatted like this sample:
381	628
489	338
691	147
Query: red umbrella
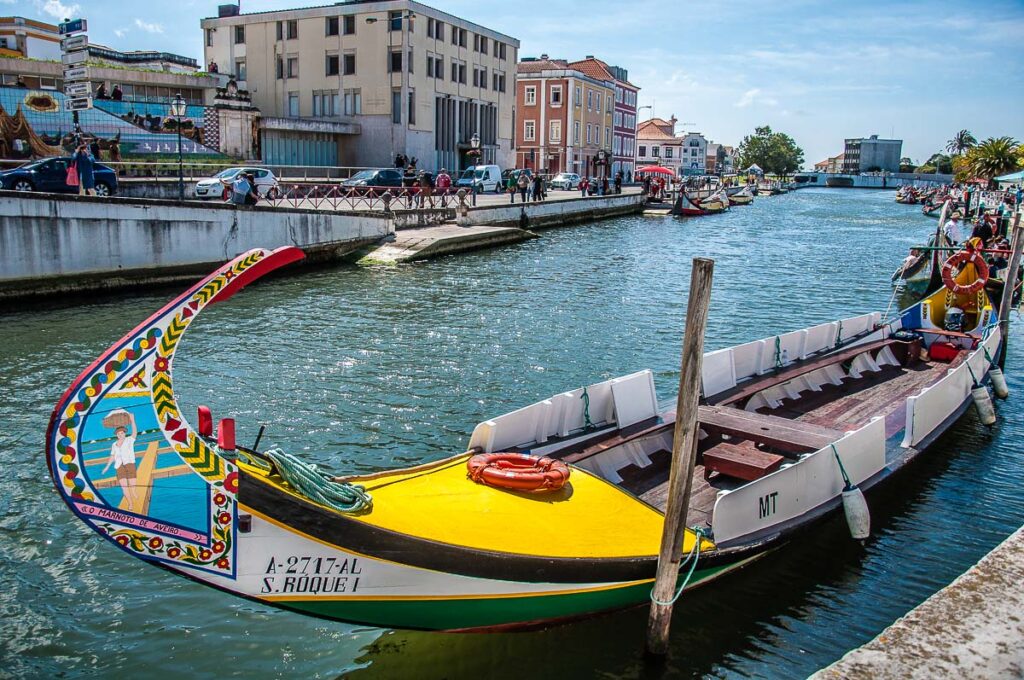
654	169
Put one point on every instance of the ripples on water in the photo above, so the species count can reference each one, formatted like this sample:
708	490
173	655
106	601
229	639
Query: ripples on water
367	369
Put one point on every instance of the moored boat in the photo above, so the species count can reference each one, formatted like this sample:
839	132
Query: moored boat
743	197
784	427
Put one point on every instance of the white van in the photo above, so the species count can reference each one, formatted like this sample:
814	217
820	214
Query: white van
484	177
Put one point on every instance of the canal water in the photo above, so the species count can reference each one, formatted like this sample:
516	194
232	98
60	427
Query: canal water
364	369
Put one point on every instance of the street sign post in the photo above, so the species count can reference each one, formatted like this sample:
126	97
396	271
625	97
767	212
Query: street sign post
73	26
77	89
79	103
73	73
74	58
76	42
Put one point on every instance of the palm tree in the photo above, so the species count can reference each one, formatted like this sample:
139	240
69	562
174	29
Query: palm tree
993	157
962	141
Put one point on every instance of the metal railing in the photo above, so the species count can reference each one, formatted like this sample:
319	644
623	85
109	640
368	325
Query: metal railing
336	197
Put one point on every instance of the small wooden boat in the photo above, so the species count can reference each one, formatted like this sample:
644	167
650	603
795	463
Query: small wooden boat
919	274
788	424
743	197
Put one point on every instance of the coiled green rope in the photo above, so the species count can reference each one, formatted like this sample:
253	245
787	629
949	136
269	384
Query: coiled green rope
307	480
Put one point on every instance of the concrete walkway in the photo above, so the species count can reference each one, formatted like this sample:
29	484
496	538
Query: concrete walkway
972	628
429	242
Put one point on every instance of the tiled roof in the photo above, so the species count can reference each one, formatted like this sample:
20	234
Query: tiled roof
593	68
538	65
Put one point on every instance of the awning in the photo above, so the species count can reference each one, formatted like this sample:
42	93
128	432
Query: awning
654	169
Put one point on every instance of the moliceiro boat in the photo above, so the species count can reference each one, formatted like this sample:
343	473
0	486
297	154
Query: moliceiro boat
552	512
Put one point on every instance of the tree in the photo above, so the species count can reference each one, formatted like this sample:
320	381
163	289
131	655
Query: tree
907	165
962	141
993	157
939	162
775	152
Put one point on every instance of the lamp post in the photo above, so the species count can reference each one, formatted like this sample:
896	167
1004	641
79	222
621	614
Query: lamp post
474	151
178	111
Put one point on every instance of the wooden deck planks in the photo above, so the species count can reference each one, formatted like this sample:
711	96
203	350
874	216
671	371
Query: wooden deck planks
781	433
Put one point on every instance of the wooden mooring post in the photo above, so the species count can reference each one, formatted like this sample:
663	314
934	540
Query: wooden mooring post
684	454
1006	304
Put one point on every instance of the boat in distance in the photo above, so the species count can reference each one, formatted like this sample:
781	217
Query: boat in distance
784	429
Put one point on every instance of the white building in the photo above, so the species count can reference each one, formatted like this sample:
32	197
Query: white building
356	82
21	37
694	154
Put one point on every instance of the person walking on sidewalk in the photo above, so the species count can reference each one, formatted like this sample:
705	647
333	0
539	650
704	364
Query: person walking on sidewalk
523	183
510	187
538	189
584	185
84	163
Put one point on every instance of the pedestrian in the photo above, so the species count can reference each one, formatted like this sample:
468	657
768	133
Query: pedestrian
426	189
647	184
952	231
584	185
524	184
239	186
604	186
1019	197
115	150
629	177
538	189
510	187
618	182
101	91
117	93
94	148
83	163
443	184
252	197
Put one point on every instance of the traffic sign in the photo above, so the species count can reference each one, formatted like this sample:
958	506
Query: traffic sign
72	73
73	26
73	58
79	103
75	42
78	89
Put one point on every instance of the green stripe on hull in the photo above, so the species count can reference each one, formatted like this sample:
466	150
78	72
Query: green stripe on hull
448	614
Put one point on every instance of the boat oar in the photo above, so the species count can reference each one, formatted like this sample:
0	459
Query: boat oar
858	518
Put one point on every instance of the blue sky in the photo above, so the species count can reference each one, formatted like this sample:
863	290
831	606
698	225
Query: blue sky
817	70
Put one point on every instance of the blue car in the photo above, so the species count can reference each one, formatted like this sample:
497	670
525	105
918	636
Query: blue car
50	174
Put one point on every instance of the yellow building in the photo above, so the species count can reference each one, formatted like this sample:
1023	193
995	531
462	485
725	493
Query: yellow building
355	83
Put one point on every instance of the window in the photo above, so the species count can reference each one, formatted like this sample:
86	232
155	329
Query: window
607	137
293	29
395	62
483	44
529	131
576	132
240	69
579	96
501	52
293	104
325	103
332	65
410	61
439	30
430	29
350	25
483	79
438	67
280	68
555	131
476	42
395	23
331	27
353	102
293	67
590	100
412	107
209	37
556	95
530	97
656	151
396	106
280	30
349	64
608	103
239	35
617	121
668	152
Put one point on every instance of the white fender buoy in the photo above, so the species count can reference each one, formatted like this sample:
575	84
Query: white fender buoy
999	386
983	402
857	515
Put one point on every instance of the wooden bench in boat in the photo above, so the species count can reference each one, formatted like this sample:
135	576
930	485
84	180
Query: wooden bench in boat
784	375
740	462
780	433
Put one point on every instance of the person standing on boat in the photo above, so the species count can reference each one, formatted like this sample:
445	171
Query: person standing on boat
122	457
952	231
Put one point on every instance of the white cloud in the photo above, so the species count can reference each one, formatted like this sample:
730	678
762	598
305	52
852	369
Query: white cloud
120	32
57	9
748	98
149	28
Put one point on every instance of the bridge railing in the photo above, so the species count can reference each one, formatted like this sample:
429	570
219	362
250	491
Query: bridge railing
336	197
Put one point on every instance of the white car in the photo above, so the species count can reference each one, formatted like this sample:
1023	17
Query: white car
565	180
266	183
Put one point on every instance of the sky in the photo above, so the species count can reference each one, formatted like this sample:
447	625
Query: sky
818	70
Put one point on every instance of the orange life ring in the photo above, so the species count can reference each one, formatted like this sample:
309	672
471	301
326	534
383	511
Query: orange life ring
518	471
957	260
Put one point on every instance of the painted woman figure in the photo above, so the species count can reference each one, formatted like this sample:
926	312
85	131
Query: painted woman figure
122	457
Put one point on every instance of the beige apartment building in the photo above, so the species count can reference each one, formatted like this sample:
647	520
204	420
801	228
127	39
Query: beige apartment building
357	82
565	118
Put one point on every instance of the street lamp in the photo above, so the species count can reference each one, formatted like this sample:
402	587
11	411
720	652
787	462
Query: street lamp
178	111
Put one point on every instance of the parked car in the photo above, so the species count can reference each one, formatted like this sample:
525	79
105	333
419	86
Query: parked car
565	180
212	187
51	174
484	177
366	179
